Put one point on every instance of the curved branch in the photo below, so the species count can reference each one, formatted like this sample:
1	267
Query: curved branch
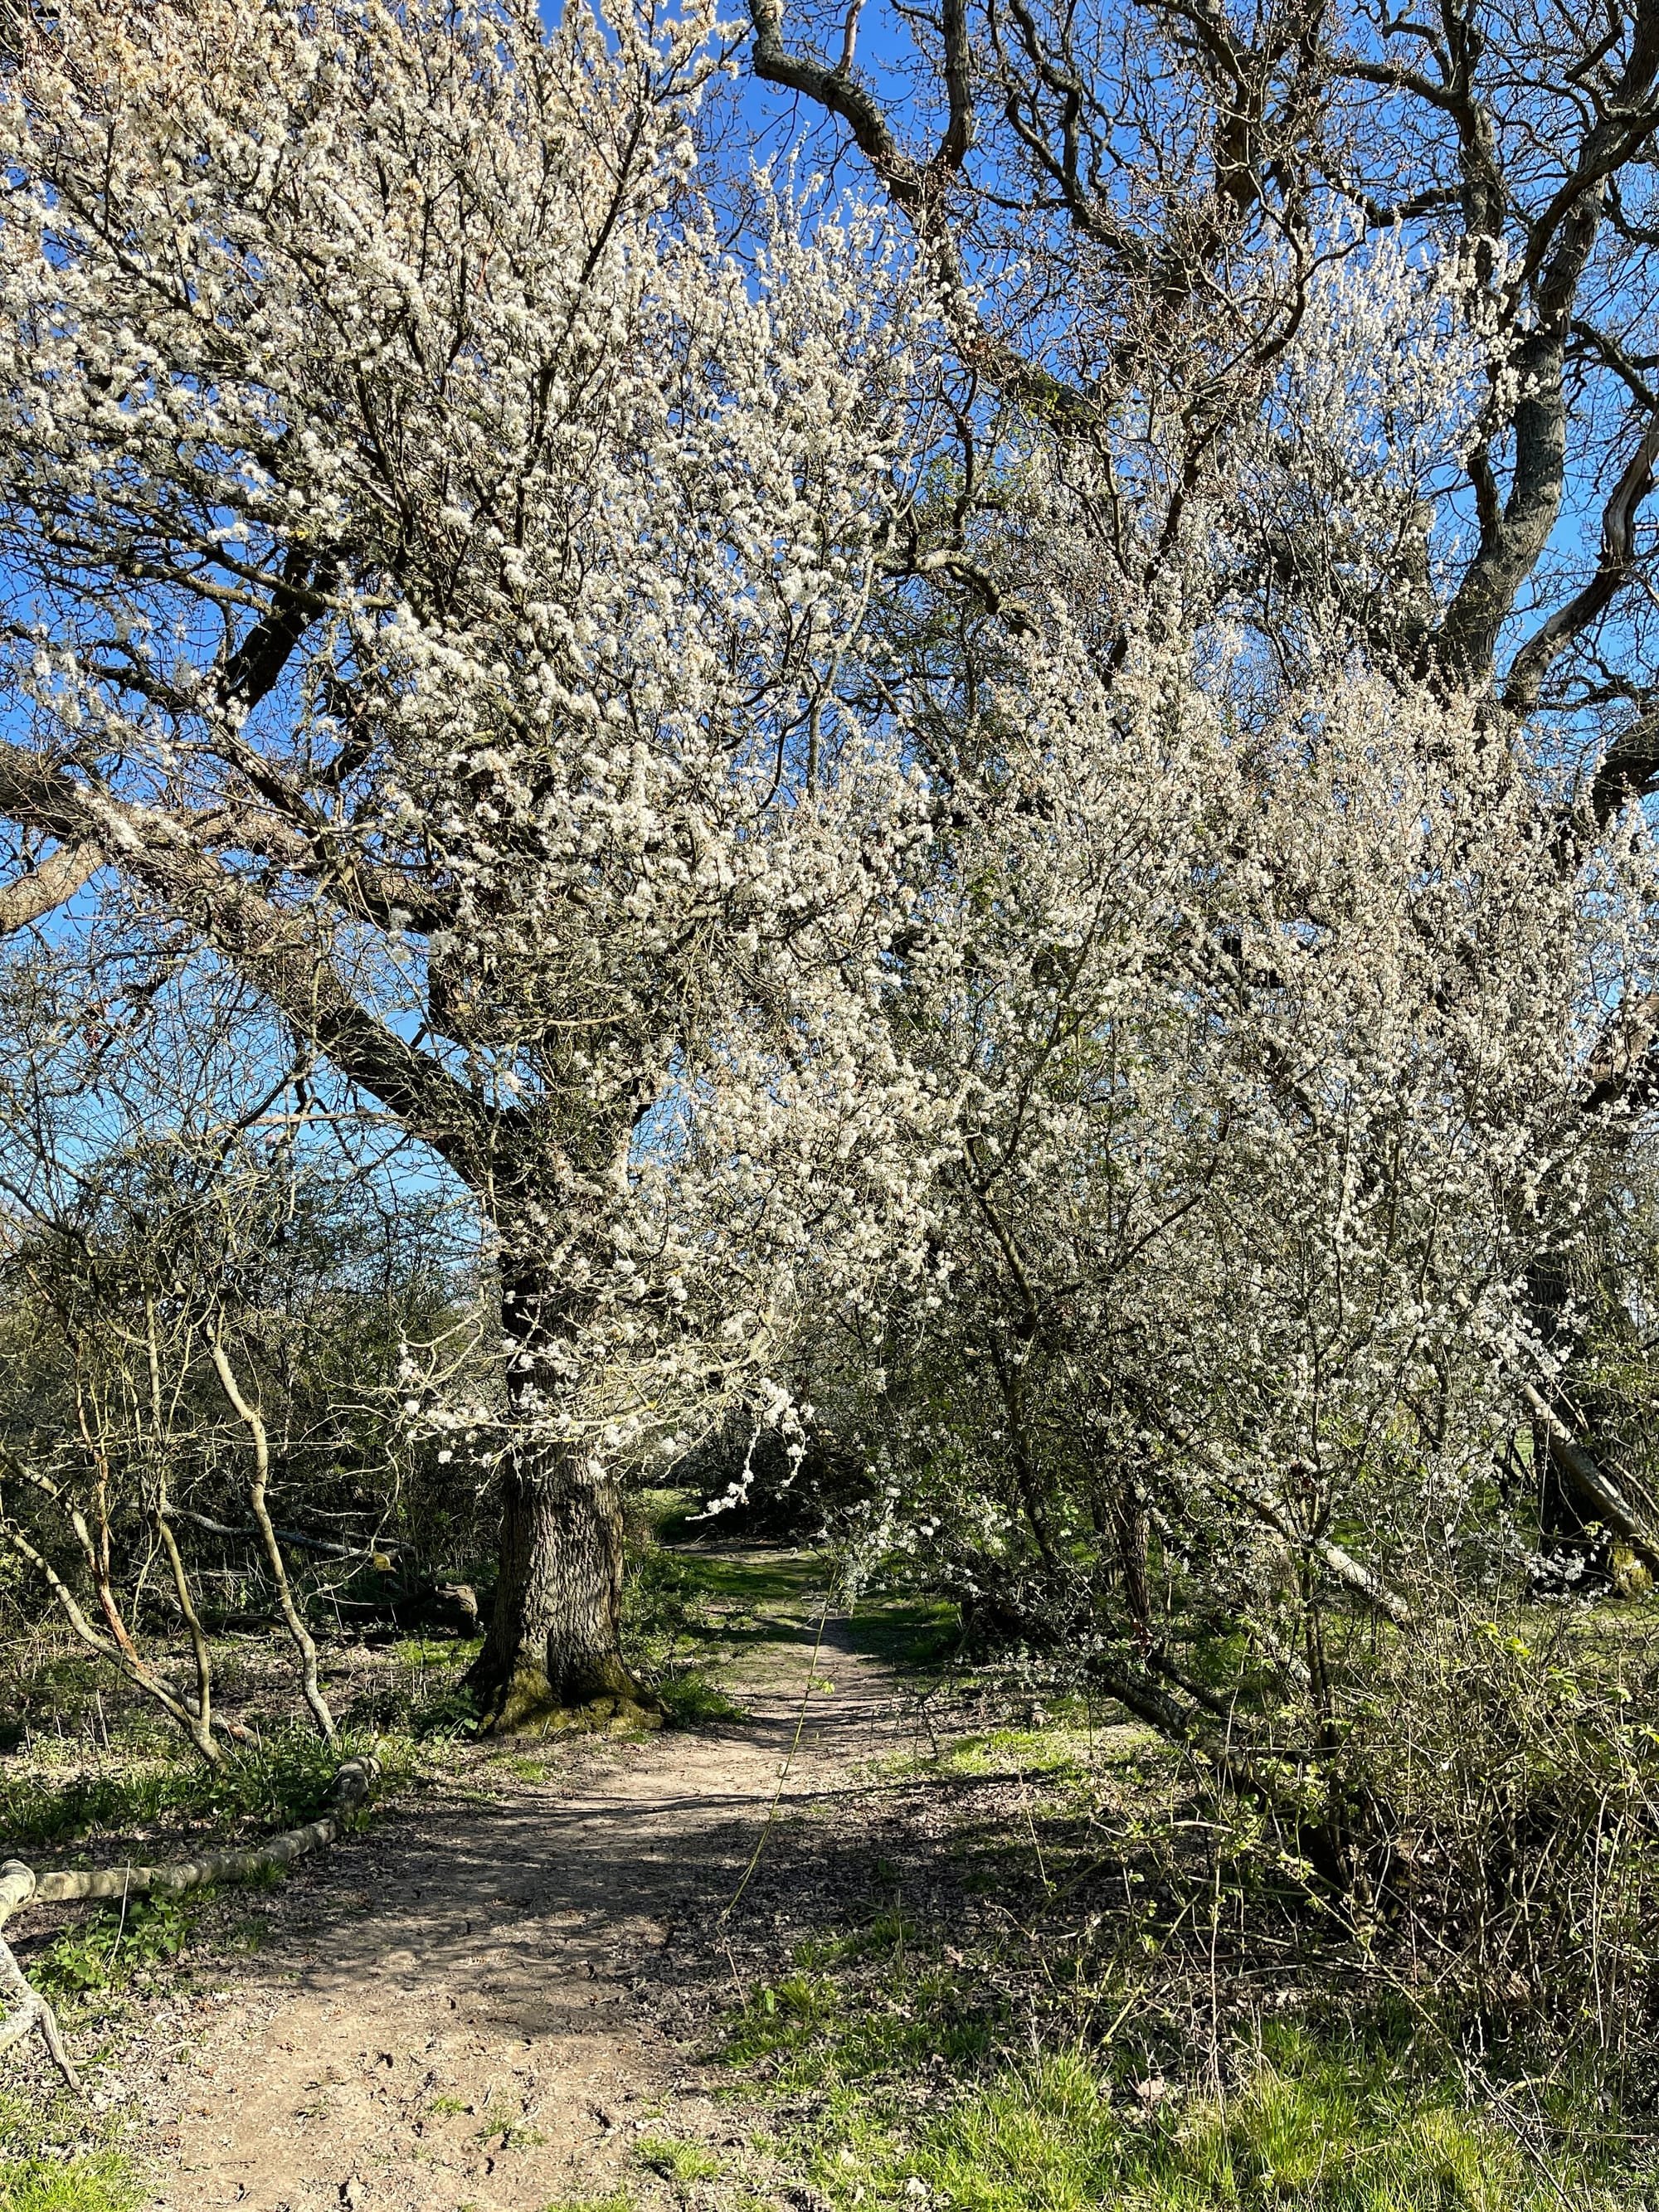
352	1788
1551	638
47	885
273	949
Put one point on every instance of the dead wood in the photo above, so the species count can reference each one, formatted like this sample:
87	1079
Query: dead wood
20	1885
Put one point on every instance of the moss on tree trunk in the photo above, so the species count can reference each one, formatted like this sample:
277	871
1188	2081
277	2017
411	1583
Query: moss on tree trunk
552	1659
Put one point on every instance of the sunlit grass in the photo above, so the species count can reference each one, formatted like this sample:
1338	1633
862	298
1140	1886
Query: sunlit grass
676	2160
903	2054
1332	2133
101	2184
278	1781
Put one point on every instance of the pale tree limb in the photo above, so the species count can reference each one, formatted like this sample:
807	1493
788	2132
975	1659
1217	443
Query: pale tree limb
169	1542
248	1414
125	1660
48	884
295	1538
353	1787
1353	1574
198	1643
1593	1487
28	2008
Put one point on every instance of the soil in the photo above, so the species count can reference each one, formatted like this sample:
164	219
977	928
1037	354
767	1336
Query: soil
459	2009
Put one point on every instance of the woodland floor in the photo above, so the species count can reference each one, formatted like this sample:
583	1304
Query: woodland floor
969	1950
447	2010
499	1996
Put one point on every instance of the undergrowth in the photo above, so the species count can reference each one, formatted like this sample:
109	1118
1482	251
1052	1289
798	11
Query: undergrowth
919	2095
279	1781
1057	2040
1327	2127
47	2165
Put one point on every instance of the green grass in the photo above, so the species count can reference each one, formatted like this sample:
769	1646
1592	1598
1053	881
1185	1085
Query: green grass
676	2161
101	2184
692	1700
1321	2129
685	1611
904	2013
901	2054
907	1631
275	1783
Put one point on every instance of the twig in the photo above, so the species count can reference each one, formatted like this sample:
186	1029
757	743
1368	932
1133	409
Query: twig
783	1771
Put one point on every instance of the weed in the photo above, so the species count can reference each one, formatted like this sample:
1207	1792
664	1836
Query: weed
530	1770
617	2203
692	1700
903	2053
106	1949
423	1653
907	1631
675	2161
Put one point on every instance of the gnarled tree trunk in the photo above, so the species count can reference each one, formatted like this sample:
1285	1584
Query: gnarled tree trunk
552	1658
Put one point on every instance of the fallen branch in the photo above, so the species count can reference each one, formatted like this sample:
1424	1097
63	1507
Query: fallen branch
1597	1494
20	1885
28	2008
375	1548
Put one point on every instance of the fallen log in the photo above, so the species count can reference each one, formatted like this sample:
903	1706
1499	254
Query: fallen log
25	2009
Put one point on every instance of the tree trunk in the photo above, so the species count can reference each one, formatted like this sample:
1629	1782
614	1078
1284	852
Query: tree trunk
552	1659
1576	1489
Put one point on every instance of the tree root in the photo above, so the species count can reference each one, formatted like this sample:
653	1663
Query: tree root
26	2009
606	1701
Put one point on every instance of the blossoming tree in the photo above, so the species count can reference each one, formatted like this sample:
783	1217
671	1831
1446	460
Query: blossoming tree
433	572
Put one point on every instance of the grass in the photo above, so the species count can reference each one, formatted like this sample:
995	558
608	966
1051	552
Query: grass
676	2160
1321	2126
900	2057
907	1631
45	2164
684	1611
1325	2129
275	1783
99	2184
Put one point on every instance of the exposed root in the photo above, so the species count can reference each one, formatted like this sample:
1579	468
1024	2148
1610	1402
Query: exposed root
26	2009
526	1704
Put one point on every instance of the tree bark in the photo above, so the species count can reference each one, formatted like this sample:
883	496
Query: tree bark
553	1657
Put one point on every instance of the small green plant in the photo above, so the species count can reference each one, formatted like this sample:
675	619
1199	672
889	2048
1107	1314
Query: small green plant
675	2161
112	1945
530	1770
692	1700
619	2203
99	2184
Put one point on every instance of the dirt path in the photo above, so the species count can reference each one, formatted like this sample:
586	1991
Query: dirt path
441	2017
